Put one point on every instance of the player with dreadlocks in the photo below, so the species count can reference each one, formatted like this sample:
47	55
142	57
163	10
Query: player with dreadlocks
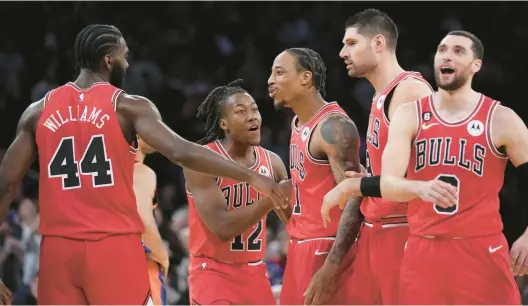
324	145
84	133
227	218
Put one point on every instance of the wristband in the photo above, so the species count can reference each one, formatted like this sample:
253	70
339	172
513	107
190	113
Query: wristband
370	186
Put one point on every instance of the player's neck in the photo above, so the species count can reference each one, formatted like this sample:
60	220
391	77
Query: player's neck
307	107
236	149
384	73
87	78
462	98
140	156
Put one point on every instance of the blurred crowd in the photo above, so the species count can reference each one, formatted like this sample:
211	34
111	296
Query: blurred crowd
179	51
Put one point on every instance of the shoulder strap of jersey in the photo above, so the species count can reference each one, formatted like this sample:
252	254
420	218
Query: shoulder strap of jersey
267	161
333	110
491	108
115	95
47	96
423	112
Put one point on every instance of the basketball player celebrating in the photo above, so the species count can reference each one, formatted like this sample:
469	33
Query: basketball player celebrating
324	144
456	252
370	51
227	221
146	197
82	133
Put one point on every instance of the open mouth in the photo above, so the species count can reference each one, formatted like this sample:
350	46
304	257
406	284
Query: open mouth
272	92
447	71
253	128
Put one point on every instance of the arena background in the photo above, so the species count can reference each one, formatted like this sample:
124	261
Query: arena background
179	51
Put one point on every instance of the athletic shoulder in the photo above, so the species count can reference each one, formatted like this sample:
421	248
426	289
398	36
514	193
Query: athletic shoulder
126	100
408	90
279	168
31	116
338	127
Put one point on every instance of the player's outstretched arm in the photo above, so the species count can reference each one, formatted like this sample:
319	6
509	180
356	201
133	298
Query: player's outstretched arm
146	121
340	141
19	156
281	175
211	206
510	132
395	161
144	189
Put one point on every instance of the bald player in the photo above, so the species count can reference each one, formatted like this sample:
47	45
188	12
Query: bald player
146	197
369	51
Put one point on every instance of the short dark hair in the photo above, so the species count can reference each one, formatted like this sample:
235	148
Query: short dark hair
211	108
93	43
372	22
477	46
309	60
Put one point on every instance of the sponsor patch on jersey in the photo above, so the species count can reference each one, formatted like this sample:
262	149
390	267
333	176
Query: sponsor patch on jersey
381	99
475	128
263	170
426	116
304	134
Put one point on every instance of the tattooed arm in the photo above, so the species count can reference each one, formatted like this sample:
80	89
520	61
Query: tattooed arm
340	143
339	140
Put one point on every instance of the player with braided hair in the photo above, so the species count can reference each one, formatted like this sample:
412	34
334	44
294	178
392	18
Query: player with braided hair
324	145
227	218
85	135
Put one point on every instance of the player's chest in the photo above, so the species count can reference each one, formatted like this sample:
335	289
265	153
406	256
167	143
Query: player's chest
450	147
239	195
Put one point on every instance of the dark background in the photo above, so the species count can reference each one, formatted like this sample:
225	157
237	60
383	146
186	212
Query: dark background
179	51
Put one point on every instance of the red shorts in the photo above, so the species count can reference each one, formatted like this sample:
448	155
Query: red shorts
215	283
112	270
379	251
305	257
457	271
157	286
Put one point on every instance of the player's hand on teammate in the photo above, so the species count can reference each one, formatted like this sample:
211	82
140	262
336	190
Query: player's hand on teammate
438	192
322	285
519	256
5	294
272	189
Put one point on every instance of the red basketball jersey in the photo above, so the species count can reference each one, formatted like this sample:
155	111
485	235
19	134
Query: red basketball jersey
247	247
311	178
463	154
86	165
377	136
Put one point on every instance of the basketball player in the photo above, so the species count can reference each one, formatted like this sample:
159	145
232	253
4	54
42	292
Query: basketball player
147	201
227	221
324	144
369	51
91	250
453	147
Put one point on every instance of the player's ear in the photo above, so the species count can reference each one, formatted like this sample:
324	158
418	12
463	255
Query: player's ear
306	77
108	61
476	66
223	125
378	42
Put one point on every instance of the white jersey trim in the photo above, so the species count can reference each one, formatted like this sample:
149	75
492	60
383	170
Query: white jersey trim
489	131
